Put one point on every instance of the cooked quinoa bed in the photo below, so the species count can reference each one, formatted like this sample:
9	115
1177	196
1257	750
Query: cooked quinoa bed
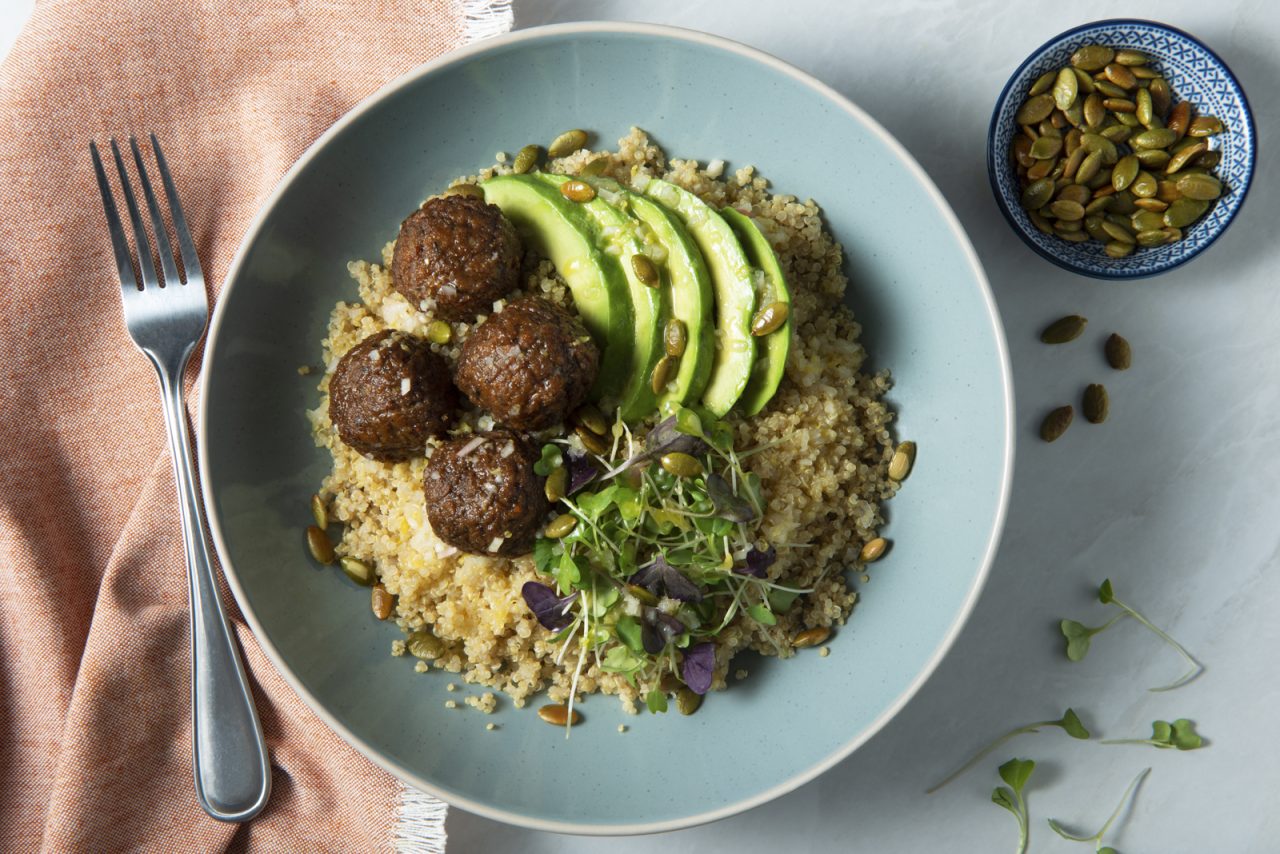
824	472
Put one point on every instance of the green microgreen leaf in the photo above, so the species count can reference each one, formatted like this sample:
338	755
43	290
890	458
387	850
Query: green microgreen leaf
761	614
628	629
780	601
550	459
1096	838
543	554
1179	735
1105	594
1069	722
656	701
1015	772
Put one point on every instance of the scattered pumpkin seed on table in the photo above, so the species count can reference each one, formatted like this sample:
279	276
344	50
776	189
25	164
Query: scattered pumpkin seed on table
1105	127
1119	354
1064	329
1095	404
1056	423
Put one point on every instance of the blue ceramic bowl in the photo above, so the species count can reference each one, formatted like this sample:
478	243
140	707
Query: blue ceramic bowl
917	288
1196	74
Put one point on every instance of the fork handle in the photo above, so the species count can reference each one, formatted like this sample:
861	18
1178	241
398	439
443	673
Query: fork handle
229	753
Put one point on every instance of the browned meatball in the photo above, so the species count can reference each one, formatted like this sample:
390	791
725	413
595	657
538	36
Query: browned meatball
458	254
483	495
389	394
529	365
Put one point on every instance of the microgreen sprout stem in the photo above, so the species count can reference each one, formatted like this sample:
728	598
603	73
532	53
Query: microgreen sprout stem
1096	838
1069	722
1178	735
1079	636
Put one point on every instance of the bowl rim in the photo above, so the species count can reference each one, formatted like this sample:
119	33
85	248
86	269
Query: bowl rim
993	158
468	53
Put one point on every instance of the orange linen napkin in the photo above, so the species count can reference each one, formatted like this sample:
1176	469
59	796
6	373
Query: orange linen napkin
95	722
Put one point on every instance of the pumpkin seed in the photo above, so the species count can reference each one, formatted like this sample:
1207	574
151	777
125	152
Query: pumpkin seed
557	483
464	190
1065	89
1042	84
1144	186
1037	194
1093	225
357	570
591	418
1089	165
319	512
1036	109
1119	105
1094	142
567	143
1071	142
681	464
1040	222
1153	138
1161	96
1119	233
1126	56
1046	147
1095	403
903	459
1108	89
1056	423
1167	191
769	318
688	701
591	440
1153	158
1075	193
1120	75
1146	221
593	168
1126	170
1068	210
1209	159
662	373
1084	80
1142	100
642	594
1092	57
1175	234
1183	212
1117	249
1123	204
811	637
1031	133
381	601
577	191
675	337
439	332
1200	187
561	526
1150	205
1051	126
1180	118
1097	206
1143	73
1064	329
1073	236
526	159
1093	111
1041	169
1075	114
1154	237
320	547
1204	126
1129	120
1117	133
557	714
425	645
1072	163
1119	353
645	269
873	550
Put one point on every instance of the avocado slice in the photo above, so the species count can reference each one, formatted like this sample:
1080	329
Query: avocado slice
771	359
733	285
562	232
618	241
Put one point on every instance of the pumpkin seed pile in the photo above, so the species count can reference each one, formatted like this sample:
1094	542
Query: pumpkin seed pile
1105	154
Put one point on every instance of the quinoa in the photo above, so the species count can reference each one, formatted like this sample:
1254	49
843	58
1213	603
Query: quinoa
824	467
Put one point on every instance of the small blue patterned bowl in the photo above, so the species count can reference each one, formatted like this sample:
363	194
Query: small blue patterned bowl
1196	74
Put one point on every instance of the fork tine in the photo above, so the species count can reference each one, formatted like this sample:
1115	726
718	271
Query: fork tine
157	222
124	264
190	262
139	233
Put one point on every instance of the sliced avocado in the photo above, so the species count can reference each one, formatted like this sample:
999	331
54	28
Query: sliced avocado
562	232
732	283
618	241
771	356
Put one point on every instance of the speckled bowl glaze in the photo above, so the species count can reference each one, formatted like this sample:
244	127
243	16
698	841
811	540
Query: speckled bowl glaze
1196	74
917	288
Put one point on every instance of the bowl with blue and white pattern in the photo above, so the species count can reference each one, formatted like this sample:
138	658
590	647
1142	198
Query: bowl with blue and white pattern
1195	74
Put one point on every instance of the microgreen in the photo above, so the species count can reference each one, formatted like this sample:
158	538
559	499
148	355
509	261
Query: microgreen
548	461
1070	723
551	610
698	665
1016	773
1178	735
1096	838
656	701
1079	636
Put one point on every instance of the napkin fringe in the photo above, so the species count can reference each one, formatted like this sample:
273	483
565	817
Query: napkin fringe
420	823
486	18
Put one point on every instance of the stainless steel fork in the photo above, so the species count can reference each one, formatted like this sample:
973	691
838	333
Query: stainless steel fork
165	319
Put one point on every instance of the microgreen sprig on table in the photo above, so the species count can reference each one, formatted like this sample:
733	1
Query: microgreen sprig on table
1079	636
1096	838
1069	722
1178	735
1015	772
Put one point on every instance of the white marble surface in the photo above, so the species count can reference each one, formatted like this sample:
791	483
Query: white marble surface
1175	497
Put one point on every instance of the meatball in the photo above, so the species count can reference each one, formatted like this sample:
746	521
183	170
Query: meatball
483	495
529	365
389	394
458	254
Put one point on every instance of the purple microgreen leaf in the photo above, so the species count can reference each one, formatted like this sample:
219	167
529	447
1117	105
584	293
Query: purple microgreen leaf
698	666
665	438
552	611
727	504
668	626
662	579
758	562
651	638
582	470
